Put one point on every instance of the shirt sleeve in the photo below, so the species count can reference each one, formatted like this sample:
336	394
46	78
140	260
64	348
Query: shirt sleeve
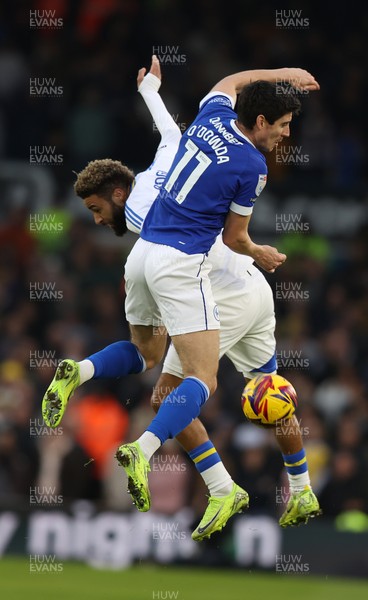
213	100
248	193
169	130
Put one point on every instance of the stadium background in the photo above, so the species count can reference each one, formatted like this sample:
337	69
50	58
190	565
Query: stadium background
68	95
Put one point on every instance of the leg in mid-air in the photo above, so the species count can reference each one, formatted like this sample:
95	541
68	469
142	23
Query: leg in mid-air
226	498
180	406
248	339
303	503
116	360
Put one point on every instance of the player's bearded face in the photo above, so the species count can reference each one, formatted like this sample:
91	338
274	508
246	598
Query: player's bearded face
107	212
117	222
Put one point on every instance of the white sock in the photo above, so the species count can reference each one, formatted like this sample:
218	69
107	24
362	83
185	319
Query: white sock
218	480
86	370
148	443
297	483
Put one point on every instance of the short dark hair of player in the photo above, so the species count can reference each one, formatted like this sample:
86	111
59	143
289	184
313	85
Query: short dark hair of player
101	177
268	99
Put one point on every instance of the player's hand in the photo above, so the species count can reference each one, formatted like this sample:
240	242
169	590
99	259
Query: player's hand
300	79
154	70
268	258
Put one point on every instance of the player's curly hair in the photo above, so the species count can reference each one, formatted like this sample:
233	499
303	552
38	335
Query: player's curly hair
101	177
268	99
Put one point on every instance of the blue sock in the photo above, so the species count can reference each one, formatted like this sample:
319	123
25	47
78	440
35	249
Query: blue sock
296	463
204	456
179	409
117	360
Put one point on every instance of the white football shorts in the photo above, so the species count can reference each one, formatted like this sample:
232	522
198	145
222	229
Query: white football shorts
247	334
167	287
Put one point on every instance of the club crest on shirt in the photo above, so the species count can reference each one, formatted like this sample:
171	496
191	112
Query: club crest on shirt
216	313
262	180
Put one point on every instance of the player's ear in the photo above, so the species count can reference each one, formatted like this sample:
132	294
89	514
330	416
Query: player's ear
260	121
119	196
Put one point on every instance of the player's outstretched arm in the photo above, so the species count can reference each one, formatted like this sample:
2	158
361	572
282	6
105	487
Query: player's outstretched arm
235	235
148	87
298	78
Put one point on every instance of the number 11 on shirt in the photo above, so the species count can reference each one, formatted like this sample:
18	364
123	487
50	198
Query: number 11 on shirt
203	163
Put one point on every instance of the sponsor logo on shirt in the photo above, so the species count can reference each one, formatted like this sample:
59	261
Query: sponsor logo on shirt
262	180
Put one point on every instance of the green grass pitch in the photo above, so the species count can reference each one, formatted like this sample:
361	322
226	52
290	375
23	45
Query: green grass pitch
80	582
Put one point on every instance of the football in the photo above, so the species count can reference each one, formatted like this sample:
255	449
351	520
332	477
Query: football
267	399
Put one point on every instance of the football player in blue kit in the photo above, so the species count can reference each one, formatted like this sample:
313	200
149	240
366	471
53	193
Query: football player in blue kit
188	225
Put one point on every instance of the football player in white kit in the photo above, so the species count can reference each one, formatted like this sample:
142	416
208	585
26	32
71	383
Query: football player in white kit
246	309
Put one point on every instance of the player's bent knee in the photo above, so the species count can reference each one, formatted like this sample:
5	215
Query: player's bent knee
150	362
156	353
152	356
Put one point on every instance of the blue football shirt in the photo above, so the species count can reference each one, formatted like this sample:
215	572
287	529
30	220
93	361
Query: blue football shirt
216	169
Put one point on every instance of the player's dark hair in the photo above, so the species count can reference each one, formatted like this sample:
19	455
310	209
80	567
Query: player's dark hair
268	99
101	177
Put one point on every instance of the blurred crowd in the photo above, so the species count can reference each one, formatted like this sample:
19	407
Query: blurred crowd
62	292
94	55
